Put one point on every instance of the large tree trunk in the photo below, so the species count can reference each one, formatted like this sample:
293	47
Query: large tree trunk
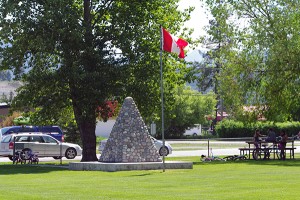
87	126
83	105
88	137
84	113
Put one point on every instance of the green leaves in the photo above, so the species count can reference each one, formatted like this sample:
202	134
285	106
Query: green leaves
78	54
190	107
260	61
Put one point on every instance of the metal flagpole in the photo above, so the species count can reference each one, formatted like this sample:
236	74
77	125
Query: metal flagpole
162	96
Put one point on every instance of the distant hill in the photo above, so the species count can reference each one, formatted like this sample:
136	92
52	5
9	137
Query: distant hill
196	55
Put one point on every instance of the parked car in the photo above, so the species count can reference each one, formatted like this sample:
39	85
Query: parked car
193	131
41	144
54	131
158	144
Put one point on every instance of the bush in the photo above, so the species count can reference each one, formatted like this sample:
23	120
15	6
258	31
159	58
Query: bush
235	129
8	120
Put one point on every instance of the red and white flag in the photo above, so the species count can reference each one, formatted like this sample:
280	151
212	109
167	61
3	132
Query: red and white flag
173	44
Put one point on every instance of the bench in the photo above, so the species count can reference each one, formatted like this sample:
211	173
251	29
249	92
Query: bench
292	150
244	151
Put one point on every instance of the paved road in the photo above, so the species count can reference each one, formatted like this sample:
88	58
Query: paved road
174	154
225	151
205	152
216	152
233	151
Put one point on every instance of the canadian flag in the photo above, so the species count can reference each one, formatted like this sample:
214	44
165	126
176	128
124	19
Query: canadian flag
173	44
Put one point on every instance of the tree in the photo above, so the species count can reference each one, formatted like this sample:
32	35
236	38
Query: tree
79	54
190	108
202	72
259	57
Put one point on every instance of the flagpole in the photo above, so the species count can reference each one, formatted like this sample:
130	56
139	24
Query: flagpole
162	96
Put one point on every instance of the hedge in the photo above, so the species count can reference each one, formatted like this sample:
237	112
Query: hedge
236	129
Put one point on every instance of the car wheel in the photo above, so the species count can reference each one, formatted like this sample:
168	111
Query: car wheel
194	134
163	151
10	158
70	153
57	157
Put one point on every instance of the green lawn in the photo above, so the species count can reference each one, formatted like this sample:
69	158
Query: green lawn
272	179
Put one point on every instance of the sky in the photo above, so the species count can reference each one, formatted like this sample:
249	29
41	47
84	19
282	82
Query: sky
199	18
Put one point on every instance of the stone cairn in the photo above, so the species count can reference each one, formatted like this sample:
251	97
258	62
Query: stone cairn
129	140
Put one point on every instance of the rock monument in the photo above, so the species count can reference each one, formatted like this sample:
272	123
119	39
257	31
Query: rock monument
129	140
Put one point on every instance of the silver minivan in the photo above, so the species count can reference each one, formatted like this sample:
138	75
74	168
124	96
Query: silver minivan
38	143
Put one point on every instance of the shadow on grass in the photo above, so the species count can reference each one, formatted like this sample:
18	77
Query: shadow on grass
210	163
197	162
145	174
8	169
287	163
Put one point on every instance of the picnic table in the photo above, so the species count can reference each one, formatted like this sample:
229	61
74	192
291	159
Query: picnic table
268	146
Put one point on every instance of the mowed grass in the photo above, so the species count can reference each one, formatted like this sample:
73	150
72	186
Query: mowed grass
248	179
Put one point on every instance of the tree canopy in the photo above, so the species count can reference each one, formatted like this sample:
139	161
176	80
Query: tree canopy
75	55
258	55
190	107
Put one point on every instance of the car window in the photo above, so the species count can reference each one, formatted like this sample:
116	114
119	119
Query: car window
22	139
4	130
9	130
6	139
49	139
36	139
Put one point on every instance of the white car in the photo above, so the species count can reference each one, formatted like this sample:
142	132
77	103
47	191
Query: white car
158	144
42	145
194	131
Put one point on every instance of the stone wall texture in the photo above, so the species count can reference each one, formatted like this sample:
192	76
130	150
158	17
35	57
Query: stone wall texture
129	140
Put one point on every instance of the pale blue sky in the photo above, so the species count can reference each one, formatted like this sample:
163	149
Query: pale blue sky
199	18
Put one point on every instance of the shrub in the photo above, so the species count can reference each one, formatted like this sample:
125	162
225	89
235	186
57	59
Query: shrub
8	120
235	129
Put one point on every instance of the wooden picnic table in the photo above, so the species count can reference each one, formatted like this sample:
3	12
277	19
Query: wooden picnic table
267	146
